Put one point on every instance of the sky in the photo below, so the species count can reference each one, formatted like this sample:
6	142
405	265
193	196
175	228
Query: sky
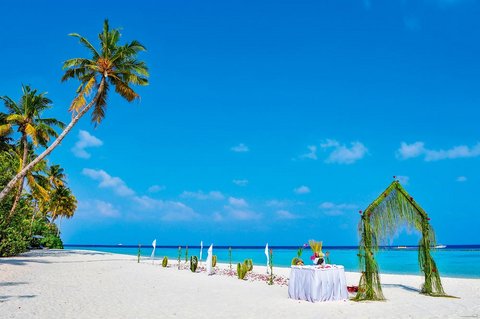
264	121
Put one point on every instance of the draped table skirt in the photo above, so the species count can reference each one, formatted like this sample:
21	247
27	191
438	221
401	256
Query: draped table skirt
317	284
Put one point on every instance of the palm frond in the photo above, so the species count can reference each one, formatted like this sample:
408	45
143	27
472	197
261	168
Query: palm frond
98	113
87	44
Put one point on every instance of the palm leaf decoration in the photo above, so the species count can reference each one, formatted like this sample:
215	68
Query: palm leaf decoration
394	208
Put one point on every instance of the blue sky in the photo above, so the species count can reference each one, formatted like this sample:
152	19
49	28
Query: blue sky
264	120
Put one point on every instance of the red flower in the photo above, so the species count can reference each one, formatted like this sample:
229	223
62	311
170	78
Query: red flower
434	270
312	257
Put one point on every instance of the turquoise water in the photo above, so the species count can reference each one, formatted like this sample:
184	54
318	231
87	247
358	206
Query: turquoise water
458	261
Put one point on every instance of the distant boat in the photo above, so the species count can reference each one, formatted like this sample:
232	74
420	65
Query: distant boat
119	244
401	247
440	246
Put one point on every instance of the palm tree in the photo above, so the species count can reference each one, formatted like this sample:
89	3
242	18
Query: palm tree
56	176
26	116
5	131
112	65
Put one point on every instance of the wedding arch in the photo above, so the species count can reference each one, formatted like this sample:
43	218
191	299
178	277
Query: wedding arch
393	209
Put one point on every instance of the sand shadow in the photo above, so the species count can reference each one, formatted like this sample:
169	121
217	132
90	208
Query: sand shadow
21	262
404	287
12	283
6	298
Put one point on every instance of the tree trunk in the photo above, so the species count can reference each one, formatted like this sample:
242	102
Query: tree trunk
20	185
59	139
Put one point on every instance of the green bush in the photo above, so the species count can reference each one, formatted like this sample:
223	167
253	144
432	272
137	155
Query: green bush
12	243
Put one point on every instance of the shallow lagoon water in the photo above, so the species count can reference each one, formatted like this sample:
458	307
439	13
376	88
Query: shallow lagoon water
453	261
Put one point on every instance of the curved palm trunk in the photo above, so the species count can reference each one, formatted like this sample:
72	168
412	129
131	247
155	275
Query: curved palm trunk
59	139
20	184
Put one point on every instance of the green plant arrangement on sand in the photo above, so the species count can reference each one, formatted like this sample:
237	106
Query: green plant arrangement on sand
270	264
193	263
214	260
297	261
186	254
244	268
394	208
139	252
179	255
165	262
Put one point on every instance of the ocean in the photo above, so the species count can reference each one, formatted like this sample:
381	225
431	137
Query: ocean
453	261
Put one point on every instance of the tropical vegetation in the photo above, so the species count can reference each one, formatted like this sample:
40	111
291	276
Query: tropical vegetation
34	192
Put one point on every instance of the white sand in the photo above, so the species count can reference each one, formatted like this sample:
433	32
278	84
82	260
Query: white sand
85	284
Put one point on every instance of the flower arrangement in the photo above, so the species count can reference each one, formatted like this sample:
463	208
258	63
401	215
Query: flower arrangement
316	247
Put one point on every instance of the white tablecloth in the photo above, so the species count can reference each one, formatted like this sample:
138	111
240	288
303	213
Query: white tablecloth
317	284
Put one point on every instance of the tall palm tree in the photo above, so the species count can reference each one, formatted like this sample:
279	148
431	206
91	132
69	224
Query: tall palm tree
111	65
26	116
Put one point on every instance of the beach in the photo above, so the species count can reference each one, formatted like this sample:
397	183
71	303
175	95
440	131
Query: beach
88	284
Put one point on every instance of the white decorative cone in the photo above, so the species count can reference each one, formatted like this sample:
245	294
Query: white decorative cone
268	256
154	245
209	260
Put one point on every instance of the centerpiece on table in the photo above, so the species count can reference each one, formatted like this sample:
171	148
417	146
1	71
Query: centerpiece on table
317	257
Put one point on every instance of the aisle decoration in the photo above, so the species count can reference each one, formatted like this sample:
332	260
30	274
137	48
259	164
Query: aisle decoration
297	261
154	245
393	209
316	247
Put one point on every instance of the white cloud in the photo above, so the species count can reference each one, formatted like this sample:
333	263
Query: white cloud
237	202
342	154
312	154
95	208
240	213
276	203
107	181
85	140
156	188
418	149
168	210
105	209
407	151
285	214
240	148
461	179
332	209
200	195
240	182
217	216
403	179
302	190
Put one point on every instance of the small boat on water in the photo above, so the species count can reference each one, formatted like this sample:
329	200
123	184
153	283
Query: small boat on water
401	247
440	246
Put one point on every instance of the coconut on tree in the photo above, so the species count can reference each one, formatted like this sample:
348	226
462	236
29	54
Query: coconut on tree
110	66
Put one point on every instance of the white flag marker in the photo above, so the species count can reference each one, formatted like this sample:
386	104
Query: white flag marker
154	244
268	256
209	260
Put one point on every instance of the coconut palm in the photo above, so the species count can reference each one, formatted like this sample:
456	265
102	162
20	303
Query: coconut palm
26	117
56	176
112	65
5	131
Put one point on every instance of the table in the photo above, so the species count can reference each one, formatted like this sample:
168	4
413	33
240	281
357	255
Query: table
313	284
